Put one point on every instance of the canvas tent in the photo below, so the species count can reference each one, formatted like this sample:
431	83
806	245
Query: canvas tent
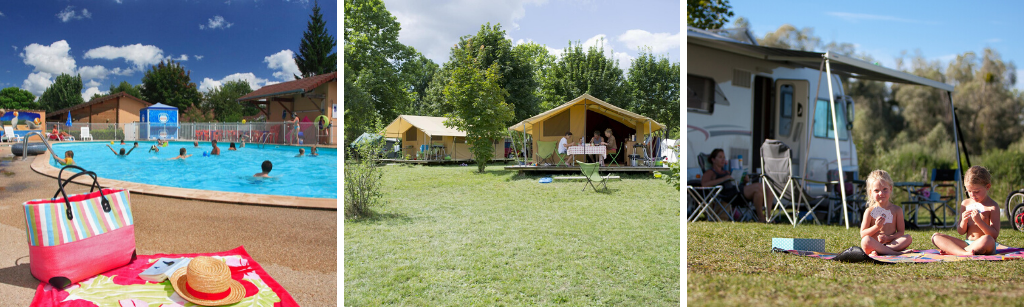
414	131
582	116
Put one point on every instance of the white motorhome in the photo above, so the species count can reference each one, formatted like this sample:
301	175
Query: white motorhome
739	94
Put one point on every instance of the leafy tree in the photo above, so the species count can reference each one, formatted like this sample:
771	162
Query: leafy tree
579	72
654	83
478	102
223	100
541	61
198	114
18	99
789	37
315	56
707	14
420	73
66	91
169	83
126	87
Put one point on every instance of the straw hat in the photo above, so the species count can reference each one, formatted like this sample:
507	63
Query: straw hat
207	282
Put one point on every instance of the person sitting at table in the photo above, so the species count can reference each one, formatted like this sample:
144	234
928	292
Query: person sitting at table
596	140
564	143
610	142
718	175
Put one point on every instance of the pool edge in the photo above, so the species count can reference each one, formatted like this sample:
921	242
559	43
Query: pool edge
41	165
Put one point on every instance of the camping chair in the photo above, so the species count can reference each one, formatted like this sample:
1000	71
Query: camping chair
546	149
9	134
85	134
590	170
562	157
945	180
615	156
778	179
739	202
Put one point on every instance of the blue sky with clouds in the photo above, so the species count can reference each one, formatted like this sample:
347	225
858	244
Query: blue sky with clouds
433	27
109	41
939	29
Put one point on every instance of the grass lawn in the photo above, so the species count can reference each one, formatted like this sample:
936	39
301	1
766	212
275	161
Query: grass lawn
449	236
731	264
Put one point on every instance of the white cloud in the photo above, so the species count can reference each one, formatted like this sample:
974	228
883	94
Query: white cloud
183	57
52	59
284	63
93	72
2	14
600	41
92	83
217	22
37	82
15	48
92	91
69	14
659	42
118	1
199	57
138	55
254	82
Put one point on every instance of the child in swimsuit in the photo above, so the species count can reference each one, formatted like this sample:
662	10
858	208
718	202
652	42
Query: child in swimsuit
979	221
881	231
68	158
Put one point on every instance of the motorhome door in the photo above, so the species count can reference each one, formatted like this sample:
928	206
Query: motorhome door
791	109
763	127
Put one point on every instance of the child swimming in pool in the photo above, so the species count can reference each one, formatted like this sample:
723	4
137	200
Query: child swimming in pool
312	151
302	151
68	158
181	155
267	166
216	150
232	146
882	228
122	154
979	221
195	144
154	148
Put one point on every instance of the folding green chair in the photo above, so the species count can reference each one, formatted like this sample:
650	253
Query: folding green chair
616	155
590	170
545	149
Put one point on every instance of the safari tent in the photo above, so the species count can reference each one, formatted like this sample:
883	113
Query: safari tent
414	131
584	115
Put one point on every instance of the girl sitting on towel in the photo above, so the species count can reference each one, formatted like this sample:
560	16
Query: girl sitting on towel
881	231
979	221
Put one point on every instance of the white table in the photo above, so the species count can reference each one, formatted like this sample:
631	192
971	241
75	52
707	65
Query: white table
588	150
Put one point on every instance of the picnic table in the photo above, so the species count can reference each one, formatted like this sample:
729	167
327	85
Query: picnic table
588	150
917	200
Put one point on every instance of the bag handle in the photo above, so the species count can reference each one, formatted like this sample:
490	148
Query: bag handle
95	186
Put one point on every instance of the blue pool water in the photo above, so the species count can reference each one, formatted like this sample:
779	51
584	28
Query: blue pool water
231	171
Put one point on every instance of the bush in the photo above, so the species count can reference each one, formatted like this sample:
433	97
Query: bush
362	182
107	134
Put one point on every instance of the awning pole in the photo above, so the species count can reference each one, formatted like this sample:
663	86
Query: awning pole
835	125
959	173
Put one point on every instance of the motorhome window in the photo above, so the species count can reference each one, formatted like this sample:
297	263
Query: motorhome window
700	94
785	109
823	121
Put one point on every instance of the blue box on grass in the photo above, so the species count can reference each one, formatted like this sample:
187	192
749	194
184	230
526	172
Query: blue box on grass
815	245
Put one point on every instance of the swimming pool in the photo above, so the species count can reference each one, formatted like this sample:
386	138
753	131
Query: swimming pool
231	171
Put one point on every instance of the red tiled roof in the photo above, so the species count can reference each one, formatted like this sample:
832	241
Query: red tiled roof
97	101
304	85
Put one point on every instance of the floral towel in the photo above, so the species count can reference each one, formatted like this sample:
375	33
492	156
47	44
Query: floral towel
926	256
123	287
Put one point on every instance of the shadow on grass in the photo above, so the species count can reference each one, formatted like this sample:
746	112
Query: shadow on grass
374	217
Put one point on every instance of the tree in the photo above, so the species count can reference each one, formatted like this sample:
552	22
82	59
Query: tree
579	72
65	92
707	14
360	114
654	83
315	56
128	88
477	100
541	61
420	73
789	37
170	84
223	100
17	99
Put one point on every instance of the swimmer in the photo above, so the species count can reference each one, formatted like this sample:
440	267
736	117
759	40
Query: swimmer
154	148
312	151
302	151
122	153
216	150
68	158
195	144
232	146
181	155
243	144
267	166
122	141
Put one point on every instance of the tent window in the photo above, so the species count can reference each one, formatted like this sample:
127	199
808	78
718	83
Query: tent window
557	125
823	121
410	135
700	95
436	138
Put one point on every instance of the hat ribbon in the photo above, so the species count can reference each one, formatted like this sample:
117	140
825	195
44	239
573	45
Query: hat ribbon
206	296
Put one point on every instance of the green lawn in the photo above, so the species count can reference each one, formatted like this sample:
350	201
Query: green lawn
449	236
731	264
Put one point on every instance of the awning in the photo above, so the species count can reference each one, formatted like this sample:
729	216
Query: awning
642	123
432	126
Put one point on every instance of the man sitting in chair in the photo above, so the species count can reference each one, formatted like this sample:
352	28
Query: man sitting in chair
719	175
563	145
610	143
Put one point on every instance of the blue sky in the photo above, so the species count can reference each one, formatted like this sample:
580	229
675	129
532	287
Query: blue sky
109	41
939	29
433	27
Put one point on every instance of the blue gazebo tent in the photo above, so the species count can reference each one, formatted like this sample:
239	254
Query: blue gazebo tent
161	122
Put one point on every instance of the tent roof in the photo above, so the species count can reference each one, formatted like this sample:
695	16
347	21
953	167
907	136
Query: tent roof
433	126
641	122
840	64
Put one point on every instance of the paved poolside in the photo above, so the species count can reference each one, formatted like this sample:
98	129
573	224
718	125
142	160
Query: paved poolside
297	247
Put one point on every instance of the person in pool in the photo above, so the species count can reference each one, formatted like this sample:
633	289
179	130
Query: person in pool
216	150
267	166
312	151
181	155
232	146
122	153
68	158
122	141
154	148
243	144
302	151
195	144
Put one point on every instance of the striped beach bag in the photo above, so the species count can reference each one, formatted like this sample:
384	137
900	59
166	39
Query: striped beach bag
74	237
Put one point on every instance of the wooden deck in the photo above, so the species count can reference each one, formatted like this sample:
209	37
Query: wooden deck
438	162
563	168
